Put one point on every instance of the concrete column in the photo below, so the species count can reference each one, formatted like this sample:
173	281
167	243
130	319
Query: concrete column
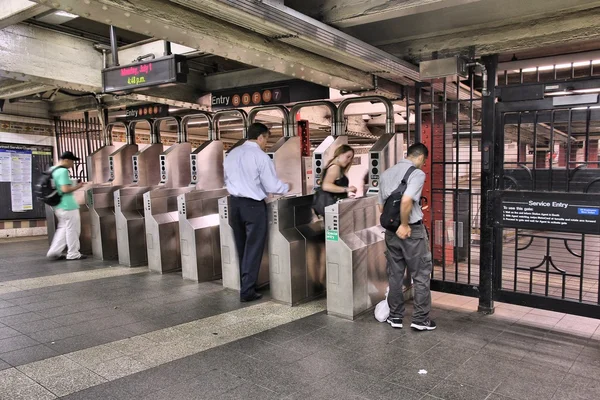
540	159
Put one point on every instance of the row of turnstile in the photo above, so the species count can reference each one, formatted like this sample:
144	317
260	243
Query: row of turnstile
169	210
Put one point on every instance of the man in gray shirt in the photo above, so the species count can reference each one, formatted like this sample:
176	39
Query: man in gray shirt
409	245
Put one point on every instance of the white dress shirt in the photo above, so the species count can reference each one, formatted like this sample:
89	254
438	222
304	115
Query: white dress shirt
250	173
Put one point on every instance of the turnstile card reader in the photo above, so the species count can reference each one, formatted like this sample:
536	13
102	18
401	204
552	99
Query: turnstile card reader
199	234
296	250
120	165
162	228
385	153
229	255
175	165
355	253
100	202
207	166
323	154
98	165
131	231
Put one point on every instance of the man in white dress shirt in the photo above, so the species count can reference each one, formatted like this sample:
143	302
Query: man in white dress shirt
249	177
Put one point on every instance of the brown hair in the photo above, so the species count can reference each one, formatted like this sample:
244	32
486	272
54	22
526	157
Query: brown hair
338	152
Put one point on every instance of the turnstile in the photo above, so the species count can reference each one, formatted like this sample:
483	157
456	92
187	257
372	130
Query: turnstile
145	172
100	203
161	221
129	217
229	255
296	250
199	234
355	253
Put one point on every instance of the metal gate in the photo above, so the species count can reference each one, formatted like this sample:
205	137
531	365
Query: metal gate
448	116
545	199
82	137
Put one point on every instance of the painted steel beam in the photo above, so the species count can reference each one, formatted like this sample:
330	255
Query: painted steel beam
168	21
38	56
12	89
14	11
511	36
346	13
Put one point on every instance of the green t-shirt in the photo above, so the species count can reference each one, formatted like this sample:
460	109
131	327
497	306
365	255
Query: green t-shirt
61	177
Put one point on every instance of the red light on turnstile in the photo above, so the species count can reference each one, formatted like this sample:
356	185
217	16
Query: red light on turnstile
375	183
318	181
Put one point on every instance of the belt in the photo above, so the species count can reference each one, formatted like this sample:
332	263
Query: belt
420	222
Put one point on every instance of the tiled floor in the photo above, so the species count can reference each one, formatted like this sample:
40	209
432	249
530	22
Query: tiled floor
93	330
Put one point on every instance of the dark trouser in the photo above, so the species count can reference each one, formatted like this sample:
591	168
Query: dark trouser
413	253
249	223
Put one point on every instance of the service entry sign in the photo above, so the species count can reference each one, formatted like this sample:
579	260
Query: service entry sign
549	211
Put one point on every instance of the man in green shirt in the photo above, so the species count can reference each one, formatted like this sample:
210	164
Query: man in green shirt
67	212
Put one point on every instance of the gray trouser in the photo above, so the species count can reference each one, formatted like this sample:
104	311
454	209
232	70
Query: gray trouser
412	252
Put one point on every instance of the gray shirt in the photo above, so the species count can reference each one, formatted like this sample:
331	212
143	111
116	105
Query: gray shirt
391	179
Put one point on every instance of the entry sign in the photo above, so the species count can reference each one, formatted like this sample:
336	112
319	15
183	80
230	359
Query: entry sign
549	211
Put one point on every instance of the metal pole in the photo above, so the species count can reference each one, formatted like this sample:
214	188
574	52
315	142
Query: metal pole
490	150
167	48
418	115
113	46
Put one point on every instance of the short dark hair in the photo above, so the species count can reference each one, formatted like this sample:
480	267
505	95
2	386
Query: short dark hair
257	129
416	150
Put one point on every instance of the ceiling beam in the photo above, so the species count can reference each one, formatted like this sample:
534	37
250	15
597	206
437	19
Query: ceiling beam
511	36
347	13
14	11
38	56
165	20
12	89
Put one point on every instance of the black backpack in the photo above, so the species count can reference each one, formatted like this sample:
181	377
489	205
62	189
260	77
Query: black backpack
390	217
46	190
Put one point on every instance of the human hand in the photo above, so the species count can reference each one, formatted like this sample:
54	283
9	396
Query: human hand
403	232
351	189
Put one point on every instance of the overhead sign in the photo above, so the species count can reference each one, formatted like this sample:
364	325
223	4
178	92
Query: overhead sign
145	111
277	93
549	211
158	72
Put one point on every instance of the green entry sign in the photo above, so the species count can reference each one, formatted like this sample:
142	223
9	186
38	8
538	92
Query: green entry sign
332	235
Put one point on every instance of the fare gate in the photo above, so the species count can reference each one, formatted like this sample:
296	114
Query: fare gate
544	202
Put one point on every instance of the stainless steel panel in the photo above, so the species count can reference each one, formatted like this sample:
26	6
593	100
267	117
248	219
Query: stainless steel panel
308	174
162	228
287	156
199	234
229	255
120	165
146	165
131	230
98	167
296	250
175	165
355	253
100	202
323	154
207	166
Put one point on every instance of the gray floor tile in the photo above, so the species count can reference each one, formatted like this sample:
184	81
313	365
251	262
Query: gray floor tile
16	343
9	311
206	386
249	391
21	318
105	391
36	326
76	343
6	332
483	371
450	390
278	355
4	365
28	355
387	390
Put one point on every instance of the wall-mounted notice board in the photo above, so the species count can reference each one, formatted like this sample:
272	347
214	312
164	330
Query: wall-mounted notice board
20	168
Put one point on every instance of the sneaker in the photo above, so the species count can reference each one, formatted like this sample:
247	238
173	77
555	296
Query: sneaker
395	322
81	257
427	325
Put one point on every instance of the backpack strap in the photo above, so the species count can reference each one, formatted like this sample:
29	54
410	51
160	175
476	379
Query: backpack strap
405	179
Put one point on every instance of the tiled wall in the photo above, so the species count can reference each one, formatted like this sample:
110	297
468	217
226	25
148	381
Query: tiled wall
22	228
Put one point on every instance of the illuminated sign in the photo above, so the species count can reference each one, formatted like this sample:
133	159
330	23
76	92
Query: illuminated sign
145	111
277	93
158	72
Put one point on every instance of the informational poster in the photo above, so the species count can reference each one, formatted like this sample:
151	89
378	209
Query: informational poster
5	165
551	211
21	196
21	166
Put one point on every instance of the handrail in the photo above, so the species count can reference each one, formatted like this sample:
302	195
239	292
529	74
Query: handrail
284	111
390	127
235	111
332	108
181	137
209	117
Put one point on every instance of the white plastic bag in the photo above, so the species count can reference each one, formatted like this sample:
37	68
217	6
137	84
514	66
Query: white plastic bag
382	309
